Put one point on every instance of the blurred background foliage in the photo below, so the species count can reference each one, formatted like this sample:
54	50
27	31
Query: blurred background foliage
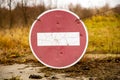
103	26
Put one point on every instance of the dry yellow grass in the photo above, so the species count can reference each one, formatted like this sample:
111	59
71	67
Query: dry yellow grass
104	34
103	38
14	37
14	44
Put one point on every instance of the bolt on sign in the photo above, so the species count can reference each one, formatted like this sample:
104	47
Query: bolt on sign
58	38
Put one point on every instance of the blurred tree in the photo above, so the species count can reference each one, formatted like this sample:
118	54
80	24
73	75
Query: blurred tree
1	2
105	8
117	9
10	2
24	10
77	9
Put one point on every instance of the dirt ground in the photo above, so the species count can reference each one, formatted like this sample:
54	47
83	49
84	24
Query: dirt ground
89	68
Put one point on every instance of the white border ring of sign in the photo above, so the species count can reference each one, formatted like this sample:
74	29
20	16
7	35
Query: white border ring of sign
42	61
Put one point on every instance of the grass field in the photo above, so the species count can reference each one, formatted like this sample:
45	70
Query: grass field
104	34
103	31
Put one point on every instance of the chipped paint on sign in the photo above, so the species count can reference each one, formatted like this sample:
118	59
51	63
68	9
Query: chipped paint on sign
58	39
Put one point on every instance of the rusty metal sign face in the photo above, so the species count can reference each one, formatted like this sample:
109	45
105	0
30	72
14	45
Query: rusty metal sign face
58	38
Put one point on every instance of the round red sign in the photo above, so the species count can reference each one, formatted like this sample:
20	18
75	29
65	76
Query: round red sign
58	38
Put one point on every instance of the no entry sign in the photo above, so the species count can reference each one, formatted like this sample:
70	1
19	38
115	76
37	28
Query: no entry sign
58	38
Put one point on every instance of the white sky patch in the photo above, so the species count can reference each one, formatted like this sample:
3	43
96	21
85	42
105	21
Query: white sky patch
83	3
58	39
65	3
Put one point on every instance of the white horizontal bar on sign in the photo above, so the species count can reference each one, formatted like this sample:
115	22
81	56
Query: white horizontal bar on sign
58	39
